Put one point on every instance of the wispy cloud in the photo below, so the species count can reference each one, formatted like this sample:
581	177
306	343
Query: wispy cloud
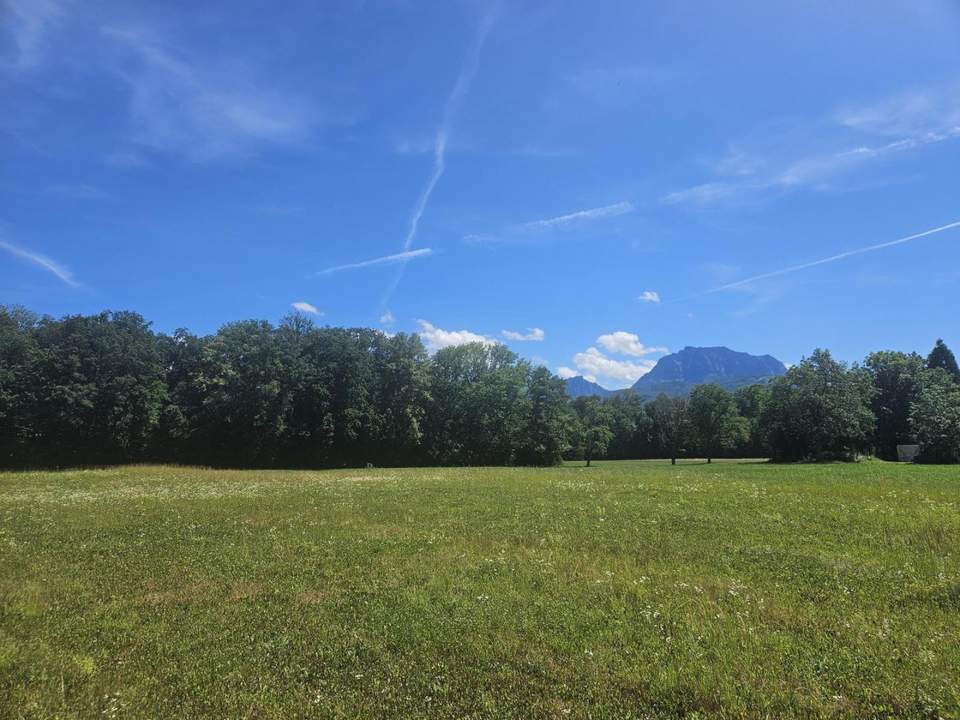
815	171
401	257
436	338
703	194
911	114
625	343
649	296
77	192
30	22
566	372
386	318
306	307
620	84
533	335
823	261
42	261
279	209
201	111
454	100
884	130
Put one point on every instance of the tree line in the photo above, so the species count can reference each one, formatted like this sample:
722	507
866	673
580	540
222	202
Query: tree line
821	409
103	389
106	388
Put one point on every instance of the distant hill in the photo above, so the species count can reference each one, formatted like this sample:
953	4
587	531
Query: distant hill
678	373
579	386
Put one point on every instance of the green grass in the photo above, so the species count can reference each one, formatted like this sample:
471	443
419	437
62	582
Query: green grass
622	590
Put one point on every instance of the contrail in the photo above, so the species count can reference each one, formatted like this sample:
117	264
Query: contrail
385	260
454	100
42	261
824	261
619	208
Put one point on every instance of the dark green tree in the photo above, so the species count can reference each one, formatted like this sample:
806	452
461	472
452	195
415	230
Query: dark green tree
671	424
897	379
750	403
479	405
819	409
594	433
18	384
596	439
714	420
631	426
935	418
100	388
544	437
942	357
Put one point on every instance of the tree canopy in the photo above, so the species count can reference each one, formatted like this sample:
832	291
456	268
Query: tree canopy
106	388
819	410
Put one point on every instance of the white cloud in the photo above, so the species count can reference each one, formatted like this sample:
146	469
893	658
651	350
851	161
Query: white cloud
566	372
533	335
621	372
386	318
42	261
205	112
402	257
624	343
306	307
436	339
649	296
30	22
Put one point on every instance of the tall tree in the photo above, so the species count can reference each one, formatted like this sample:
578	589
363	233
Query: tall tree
544	437
18	384
897	380
594	433
596	439
631	426
819	410
403	382
671	422
750	403
935	418
715	420
480	405
101	388
942	357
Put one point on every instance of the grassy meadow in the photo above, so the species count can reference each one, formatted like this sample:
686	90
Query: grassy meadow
625	590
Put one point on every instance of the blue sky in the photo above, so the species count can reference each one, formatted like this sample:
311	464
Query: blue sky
593	184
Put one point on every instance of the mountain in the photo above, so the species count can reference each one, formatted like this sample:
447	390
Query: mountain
678	373
579	386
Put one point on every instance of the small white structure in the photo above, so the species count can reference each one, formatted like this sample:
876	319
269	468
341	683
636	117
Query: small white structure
907	453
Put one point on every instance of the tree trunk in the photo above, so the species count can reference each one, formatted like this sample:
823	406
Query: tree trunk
673	461
588	461
709	461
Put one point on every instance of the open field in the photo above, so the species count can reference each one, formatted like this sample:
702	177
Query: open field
623	590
